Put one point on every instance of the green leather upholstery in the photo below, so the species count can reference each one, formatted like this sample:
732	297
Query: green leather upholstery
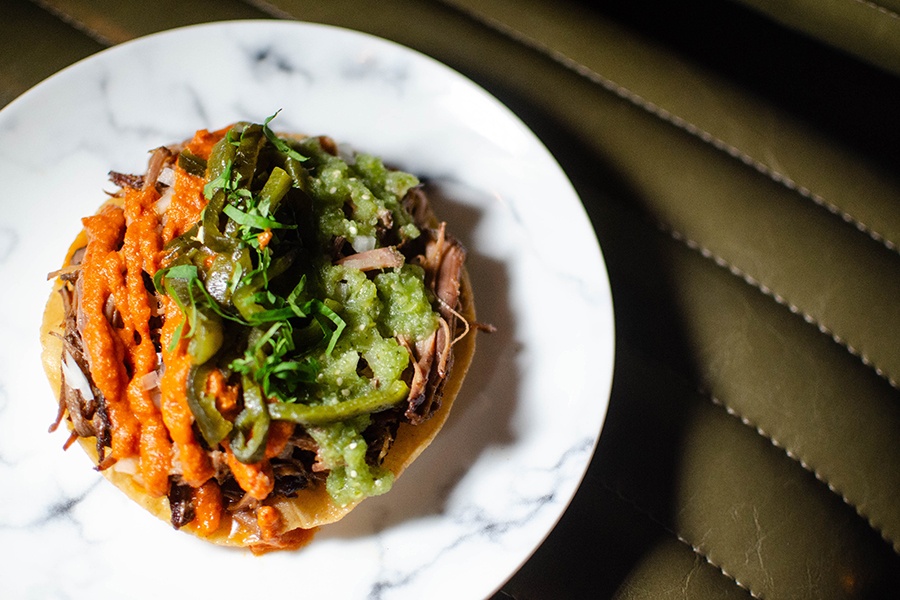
739	162
870	30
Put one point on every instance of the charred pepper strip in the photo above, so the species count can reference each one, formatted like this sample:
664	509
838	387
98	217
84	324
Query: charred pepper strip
277	186
247	154
220	174
324	414
192	163
212	235
206	336
245	297
204	323
224	274
251	427
213	426
218	167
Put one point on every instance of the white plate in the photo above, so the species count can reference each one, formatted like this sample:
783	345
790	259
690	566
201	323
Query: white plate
497	479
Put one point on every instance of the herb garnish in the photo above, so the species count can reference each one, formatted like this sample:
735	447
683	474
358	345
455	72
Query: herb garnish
280	144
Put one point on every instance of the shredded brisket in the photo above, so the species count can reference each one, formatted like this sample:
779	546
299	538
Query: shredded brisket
180	503
88	415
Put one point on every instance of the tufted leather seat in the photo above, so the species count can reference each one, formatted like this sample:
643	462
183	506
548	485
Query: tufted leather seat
739	163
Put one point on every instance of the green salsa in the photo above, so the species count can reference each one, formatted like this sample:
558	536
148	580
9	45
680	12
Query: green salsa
364	185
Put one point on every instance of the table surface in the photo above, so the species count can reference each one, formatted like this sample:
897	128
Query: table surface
742	182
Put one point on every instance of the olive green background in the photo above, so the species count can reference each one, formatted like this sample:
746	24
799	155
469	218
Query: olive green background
738	160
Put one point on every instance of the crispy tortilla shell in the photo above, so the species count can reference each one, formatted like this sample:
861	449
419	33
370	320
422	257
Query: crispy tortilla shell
310	508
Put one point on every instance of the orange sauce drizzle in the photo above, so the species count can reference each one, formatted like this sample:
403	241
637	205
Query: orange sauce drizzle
226	395
101	267
257	479
208	507
280	433
140	249
124	246
268	518
203	141
187	203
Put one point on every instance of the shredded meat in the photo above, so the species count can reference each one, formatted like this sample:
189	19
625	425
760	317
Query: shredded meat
159	159
181	503
416	204
449	271
128	180
380	434
89	416
442	257
422	357
292	475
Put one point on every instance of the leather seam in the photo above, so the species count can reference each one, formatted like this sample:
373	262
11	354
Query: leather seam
877	7
271	9
858	509
74	23
781	300
696	549
672	119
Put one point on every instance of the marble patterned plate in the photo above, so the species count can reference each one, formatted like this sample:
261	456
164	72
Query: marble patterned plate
474	507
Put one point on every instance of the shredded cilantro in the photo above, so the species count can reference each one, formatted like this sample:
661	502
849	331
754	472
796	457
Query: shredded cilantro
279	143
251	220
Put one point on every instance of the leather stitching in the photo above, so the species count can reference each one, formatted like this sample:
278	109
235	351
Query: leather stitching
74	23
678	122
860	510
271	9
881	9
778	298
696	549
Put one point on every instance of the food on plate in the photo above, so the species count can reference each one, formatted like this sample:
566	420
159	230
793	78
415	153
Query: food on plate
258	332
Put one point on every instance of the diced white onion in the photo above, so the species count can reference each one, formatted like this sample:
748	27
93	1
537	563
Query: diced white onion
127	465
156	397
162	205
167	176
363	243
150	381
75	378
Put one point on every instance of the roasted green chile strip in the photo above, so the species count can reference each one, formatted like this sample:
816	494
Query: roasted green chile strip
323	414
213	426
246	154
251	428
192	163
212	235
277	186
